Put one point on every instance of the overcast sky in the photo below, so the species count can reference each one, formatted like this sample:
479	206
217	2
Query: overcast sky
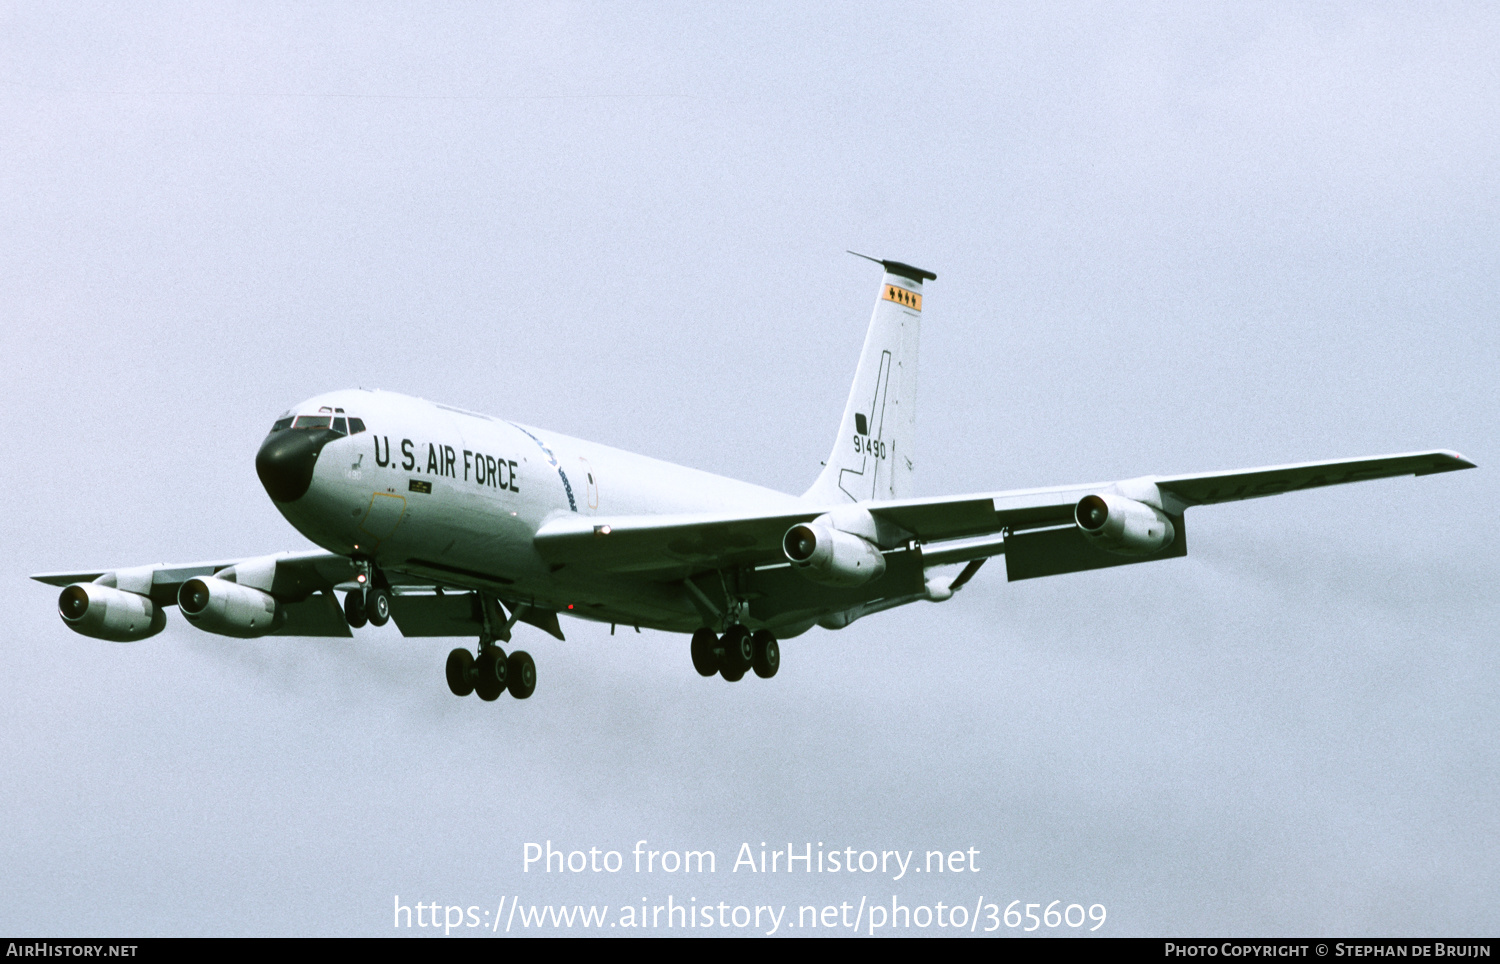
1167	239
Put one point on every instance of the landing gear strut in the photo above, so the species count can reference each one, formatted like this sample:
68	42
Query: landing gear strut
736	653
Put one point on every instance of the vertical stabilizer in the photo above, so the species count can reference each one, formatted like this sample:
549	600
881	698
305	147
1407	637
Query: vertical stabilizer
875	452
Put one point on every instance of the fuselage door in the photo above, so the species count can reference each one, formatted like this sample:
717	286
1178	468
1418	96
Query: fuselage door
382	517
591	483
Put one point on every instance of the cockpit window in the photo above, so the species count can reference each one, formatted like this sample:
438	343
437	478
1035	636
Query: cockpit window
339	423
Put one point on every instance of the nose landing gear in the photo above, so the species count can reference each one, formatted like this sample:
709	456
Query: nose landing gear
372	605
371	602
736	653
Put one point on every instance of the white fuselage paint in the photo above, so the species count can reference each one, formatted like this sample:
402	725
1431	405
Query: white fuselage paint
474	529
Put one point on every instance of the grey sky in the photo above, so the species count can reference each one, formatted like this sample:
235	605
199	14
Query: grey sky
1167	238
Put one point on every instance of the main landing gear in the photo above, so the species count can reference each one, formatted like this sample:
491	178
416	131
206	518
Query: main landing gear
491	673
735	653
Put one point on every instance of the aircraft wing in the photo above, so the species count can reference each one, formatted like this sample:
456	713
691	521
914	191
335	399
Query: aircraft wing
1034	526
162	578
305	584
291	575
304	580
1206	488
964	516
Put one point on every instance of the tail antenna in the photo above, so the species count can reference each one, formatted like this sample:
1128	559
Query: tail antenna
897	268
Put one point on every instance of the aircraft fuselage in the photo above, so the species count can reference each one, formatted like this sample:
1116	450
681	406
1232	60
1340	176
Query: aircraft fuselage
457	497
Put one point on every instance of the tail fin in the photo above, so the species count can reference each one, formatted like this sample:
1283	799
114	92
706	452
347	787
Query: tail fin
875	452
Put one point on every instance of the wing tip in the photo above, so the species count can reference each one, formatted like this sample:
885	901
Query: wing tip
1447	460
65	578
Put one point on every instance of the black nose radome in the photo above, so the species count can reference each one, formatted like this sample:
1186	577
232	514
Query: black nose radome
286	459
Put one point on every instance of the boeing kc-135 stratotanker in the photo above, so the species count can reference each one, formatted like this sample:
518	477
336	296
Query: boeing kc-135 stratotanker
454	523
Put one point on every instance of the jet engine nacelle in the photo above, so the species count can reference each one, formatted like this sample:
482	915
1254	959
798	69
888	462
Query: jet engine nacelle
1123	526
106	613
831	556
229	609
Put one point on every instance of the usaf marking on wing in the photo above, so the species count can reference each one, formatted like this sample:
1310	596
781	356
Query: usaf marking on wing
454	523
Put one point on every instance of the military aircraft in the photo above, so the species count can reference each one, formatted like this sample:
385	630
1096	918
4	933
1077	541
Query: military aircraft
454	523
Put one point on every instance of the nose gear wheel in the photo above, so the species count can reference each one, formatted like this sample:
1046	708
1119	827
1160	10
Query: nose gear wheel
354	609
378	606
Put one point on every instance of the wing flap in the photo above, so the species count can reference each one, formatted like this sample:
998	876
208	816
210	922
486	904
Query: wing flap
688	544
1052	552
449	614
317	615
643	544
